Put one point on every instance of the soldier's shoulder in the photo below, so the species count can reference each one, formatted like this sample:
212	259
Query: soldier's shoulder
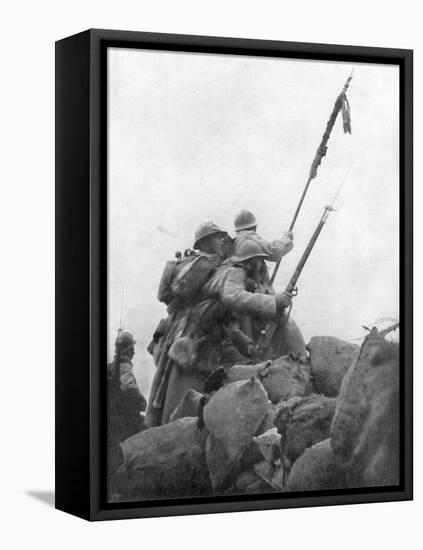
125	362
231	267
249	236
223	270
244	235
230	263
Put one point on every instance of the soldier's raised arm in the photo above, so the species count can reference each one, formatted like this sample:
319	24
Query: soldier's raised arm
246	230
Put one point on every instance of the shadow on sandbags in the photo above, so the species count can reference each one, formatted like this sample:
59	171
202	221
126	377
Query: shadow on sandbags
282	378
164	462
286	339
316	469
330	358
365	429
310	422
189	405
232	417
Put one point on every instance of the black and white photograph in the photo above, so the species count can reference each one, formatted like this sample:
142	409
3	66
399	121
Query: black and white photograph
210	260
253	275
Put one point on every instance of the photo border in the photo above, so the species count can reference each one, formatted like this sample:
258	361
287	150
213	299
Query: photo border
91	501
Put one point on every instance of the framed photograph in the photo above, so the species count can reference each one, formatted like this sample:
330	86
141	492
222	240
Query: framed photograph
234	267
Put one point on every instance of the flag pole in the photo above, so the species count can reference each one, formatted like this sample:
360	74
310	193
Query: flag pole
341	103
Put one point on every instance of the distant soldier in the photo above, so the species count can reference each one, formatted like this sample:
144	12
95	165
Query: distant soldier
245	228
124	399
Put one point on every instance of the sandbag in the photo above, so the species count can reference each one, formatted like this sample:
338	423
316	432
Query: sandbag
249	482
268	420
166	461
189	405
317	468
232	417
282	378
286	339
272	468
365	431
310	423
330	358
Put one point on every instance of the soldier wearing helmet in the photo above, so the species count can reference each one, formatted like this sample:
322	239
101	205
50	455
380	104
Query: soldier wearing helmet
124	399
253	307
245	227
231	283
205	335
211	240
184	324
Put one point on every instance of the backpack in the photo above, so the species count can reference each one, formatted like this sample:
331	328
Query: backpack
184	277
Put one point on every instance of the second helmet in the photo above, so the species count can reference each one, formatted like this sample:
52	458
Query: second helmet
244	220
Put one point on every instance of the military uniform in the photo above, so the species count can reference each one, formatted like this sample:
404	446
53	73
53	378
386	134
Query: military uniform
228	285
274	250
235	312
125	401
167	387
213	318
254	309
245	226
224	321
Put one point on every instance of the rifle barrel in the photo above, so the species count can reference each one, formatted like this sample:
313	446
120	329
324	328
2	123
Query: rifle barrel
267	333
293	281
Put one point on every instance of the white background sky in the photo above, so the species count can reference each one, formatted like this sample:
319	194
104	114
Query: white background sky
194	137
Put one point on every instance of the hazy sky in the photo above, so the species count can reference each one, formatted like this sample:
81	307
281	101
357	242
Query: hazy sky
194	137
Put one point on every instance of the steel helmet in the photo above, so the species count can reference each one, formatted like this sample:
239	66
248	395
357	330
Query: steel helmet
204	230
125	341
248	249
245	220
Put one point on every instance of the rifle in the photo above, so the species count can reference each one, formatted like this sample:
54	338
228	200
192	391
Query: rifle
341	103
268	332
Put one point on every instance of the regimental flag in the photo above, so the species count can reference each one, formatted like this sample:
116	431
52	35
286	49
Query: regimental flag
341	104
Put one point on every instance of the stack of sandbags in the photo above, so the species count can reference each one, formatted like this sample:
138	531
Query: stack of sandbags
316	469
232	417
301	422
365	429
330	358
282	378
309	422
167	461
238	449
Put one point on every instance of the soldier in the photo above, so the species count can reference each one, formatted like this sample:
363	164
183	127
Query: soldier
231	285
254	307
124	399
214	333
213	241
170	383
245	228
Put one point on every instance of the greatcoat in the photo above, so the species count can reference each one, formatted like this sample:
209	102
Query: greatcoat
124	399
250	311
273	249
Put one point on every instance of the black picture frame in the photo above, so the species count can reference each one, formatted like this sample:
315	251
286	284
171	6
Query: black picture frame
81	274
